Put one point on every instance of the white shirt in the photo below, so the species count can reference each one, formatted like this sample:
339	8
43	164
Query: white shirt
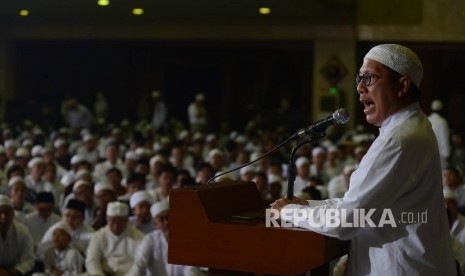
401	172
152	258
441	131
101	169
108	253
38	226
157	195
17	250
145	228
69	261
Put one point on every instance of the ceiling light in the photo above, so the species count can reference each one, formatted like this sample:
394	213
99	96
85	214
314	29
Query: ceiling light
264	10
24	12
137	11
103	2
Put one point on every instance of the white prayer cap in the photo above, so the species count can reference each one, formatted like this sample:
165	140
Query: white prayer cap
240	139
156	94
183	135
399	58
159	207
37	150
274	178
15	180
197	136
63	226
349	168
35	161
88	137
359	149
84	132
59	142
80	183
214	152
37	131
210	137
449	194
200	97
22	152
101	186
67	179
82	172
4	200
78	158
130	155
155	159
317	151
10	143
436	105
117	209
302	161
140	196
247	169
141	151
27	143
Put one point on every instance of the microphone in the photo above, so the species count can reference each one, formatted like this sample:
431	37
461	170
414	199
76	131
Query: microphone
340	116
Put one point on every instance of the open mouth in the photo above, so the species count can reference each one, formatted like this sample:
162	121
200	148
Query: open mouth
368	106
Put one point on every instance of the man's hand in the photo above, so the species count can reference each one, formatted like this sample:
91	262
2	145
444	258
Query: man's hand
280	203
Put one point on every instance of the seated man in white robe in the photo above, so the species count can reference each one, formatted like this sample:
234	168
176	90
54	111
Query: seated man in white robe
111	249
16	245
152	255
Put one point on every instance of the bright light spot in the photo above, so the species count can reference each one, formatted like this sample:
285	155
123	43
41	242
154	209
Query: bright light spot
264	10
137	11
103	2
24	12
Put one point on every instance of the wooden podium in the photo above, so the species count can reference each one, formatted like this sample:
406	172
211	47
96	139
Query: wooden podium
205	232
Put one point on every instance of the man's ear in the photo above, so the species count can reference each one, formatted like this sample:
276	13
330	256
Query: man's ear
404	85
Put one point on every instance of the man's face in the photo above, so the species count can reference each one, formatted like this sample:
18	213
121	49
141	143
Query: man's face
6	218
117	225
18	193
381	98
73	218
45	209
161	222
142	211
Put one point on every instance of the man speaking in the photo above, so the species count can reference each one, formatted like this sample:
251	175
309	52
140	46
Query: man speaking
401	173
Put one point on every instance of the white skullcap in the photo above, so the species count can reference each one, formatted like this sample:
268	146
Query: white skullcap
359	149
27	143
84	131
22	152
4	200
117	209
63	226
210	137
35	161
130	155
37	131
87	137
302	161
155	94
67	179
80	183
436	105
16	179
449	194
349	168
37	150
159	207
399	58
155	159
200	97
10	143
78	158
247	169
183	135
140	196
274	178
317	151
240	139
101	186
214	152
140	151
197	136
82	172
59	142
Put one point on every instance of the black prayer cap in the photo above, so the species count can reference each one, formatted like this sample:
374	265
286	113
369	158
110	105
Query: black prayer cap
76	205
45	197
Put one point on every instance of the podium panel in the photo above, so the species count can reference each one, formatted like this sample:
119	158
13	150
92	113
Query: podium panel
205	231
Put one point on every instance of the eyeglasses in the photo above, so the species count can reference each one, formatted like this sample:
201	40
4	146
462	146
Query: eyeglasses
366	79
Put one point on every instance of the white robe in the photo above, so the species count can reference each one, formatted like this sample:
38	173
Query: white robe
17	250
38	226
69	261
152	259
441	130
108	253
401	172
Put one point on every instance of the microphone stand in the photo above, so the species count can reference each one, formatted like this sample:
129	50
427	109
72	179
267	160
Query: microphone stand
291	169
